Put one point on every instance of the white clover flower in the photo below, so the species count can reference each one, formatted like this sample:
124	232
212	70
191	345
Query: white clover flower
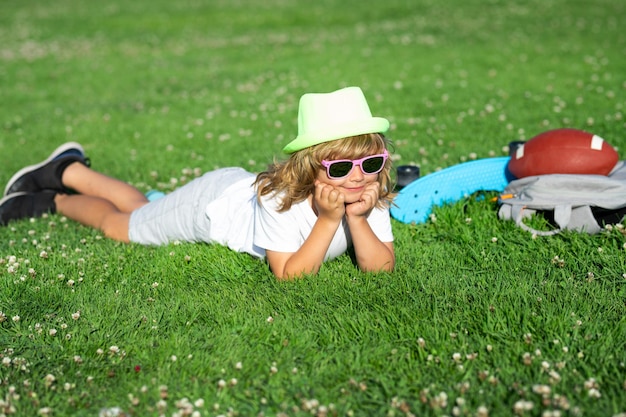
594	393
161	405
555	377
441	399
522	406
591	383
482	411
133	400
543	390
114	349
49	379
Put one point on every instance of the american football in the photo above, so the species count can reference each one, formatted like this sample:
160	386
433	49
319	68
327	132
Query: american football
563	151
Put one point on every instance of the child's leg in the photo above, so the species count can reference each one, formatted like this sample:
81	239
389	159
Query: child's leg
95	212
103	202
124	197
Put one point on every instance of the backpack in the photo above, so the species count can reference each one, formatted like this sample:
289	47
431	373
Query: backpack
584	203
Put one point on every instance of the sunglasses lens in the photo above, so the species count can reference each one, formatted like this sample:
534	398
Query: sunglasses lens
373	165
340	169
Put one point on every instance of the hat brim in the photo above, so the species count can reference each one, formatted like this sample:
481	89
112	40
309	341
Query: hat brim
372	125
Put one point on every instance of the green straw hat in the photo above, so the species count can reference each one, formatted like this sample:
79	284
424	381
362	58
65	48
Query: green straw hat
324	117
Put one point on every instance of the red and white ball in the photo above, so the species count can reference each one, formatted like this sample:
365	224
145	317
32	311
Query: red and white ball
563	151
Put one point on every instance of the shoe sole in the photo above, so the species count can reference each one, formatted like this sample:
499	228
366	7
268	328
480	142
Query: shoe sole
4	200
10	196
58	151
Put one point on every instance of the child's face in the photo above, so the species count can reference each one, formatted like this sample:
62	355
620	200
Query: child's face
352	185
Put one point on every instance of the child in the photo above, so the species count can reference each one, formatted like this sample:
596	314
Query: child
333	192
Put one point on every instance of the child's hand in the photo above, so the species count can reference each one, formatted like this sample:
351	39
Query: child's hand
366	203
328	202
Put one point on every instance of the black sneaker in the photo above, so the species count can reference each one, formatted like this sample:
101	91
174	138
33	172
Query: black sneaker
46	175
23	205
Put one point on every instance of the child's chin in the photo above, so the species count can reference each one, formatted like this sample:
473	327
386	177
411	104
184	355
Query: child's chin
352	199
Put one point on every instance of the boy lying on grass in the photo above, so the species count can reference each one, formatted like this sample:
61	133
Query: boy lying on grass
333	192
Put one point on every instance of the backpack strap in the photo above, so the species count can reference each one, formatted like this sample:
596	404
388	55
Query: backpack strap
519	213
566	217
562	215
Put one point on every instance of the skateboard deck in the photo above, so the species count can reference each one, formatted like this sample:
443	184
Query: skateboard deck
414	203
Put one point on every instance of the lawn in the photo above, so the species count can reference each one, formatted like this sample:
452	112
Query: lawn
478	319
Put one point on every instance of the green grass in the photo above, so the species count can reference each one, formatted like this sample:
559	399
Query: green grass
478	318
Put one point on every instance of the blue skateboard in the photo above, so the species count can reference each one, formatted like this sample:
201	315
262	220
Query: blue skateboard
414	203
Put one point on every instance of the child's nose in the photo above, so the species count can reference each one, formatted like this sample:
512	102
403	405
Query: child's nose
357	173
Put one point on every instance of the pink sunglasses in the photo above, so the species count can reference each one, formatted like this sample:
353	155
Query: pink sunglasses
341	168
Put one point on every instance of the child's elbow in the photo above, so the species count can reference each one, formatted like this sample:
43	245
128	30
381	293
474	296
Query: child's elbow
383	265
387	267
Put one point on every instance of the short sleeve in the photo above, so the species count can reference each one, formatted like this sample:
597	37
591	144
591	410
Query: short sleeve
277	231
380	222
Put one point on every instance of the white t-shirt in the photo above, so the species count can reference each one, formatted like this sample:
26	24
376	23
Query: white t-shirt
241	223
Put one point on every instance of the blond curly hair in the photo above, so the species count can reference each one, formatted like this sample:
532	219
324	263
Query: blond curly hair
294	179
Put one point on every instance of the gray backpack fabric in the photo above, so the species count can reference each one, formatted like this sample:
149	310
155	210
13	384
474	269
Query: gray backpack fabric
572	202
